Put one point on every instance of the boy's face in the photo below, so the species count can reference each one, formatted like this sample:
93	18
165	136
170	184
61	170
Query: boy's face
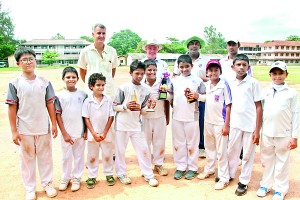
137	76
98	88
151	72
240	67
278	76
27	63
213	73
185	68
70	79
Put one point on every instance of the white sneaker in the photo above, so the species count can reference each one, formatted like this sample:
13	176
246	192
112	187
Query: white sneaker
221	185
75	184
202	153
278	196
30	196
50	190
262	192
203	175
63	185
152	182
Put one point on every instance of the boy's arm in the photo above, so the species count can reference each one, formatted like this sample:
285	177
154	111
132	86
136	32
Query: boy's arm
118	101
12	115
144	105
295	122
255	136
107	127
52	115
167	111
91	129
226	127
63	131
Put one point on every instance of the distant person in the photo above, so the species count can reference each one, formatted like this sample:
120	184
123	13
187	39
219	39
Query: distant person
68	105
30	104
194	44
99	58
151	48
280	130
98	115
184	92
130	103
245	121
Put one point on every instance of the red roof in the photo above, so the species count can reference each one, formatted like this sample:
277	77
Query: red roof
280	43
250	44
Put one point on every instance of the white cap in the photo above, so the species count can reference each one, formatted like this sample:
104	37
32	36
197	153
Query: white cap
279	64
152	42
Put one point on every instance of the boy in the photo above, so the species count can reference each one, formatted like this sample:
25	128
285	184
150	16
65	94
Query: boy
185	122
216	128
68	106
30	101
155	123
98	116
245	121
280	130
130	102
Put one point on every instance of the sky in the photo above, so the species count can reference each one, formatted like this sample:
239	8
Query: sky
247	21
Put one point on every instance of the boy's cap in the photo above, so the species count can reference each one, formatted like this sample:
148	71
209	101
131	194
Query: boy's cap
194	38
233	40
213	62
152	42
279	64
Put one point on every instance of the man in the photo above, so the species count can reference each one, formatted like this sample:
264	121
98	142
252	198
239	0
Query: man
100	58
151	48
194	44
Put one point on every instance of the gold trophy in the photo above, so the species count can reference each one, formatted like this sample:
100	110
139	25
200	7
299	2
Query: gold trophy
150	105
187	91
135	99
163	88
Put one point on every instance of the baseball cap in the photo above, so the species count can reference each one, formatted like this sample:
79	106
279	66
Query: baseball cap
279	64
233	40
213	62
152	42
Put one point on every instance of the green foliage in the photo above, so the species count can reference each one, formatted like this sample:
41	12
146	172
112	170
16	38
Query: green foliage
124	41
215	42
175	46
87	38
293	38
49	57
58	36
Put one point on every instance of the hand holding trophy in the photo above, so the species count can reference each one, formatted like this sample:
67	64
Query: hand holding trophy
151	103
188	94
163	88
133	105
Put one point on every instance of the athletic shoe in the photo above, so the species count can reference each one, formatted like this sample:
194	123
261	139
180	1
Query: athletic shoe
178	174
160	170
63	185
262	192
221	185
202	153
110	180
152	182
75	184
124	179
278	196
241	190
217	179
90	183
30	196
191	174
203	176
50	190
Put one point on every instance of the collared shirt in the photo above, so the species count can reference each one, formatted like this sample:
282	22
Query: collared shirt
161	66
91	61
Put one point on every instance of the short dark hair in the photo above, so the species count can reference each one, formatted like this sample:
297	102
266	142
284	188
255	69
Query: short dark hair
241	57
94	78
184	58
23	50
149	62
137	65
69	69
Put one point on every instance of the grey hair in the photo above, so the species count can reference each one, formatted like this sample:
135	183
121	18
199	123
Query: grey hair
98	25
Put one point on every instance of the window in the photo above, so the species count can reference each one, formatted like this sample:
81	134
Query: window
282	47
287	54
297	54
276	54
269	54
298	48
276	47
292	54
281	54
287	48
293	48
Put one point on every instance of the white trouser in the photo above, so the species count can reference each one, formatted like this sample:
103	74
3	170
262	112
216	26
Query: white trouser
239	139
32	148
92	161
69	152
185	144
274	155
155	132
140	146
216	147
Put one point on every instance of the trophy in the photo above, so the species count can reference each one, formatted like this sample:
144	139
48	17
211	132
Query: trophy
187	91
162	93
135	99
150	105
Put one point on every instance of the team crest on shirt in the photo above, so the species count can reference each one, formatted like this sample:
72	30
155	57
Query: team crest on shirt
217	98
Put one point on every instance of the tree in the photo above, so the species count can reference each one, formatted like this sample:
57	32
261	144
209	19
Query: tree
215	42
87	38
58	36
175	46
124	41
50	57
7	42
293	38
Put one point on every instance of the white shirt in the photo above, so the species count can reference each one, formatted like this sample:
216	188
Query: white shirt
280	113
161	67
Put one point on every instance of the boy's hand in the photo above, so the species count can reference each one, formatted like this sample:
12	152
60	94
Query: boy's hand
293	143
54	131
85	135
255	138
16	138
225	130
132	105
67	138
102	136
97	137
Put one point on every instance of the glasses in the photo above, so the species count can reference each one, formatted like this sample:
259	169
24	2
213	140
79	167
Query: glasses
27	60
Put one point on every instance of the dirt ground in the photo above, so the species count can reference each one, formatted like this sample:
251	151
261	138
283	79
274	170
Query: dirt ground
11	186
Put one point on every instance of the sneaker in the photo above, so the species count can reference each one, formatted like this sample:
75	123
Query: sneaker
30	196
50	191
160	170
178	174
90	183
202	153
221	185
278	196
110	180
262	192
203	176
241	190
191	174
124	179
75	184
63	185
217	179
152	182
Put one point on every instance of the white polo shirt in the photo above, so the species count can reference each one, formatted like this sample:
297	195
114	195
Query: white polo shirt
216	100
98	113
243	110
161	67
280	113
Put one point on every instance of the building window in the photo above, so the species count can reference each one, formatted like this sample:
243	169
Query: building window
287	48
282	47
270	48
297	61
293	48
298	48
276	54
292	54
291	61
269	54
265	48
287	54
297	54
276	47
281	54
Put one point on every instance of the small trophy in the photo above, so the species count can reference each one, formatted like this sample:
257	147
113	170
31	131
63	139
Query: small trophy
137	105
150	105
163	88
187	91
